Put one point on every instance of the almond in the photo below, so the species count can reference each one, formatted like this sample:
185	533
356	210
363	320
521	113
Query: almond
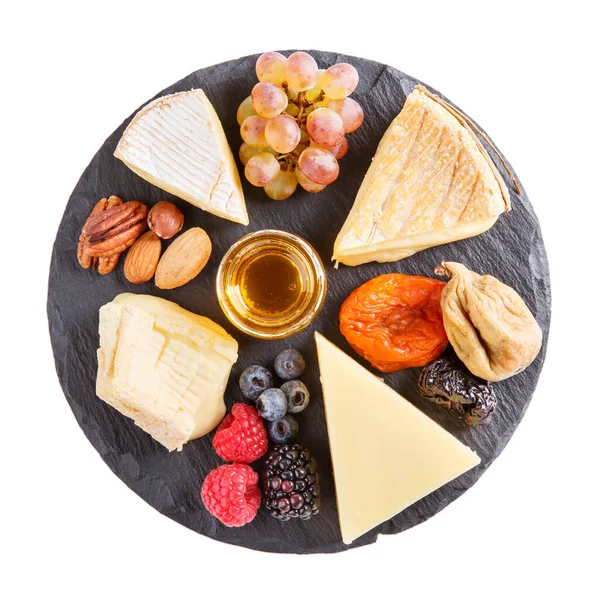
183	259
142	259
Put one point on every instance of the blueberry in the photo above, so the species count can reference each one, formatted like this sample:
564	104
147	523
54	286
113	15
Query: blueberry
254	381
283	430
289	364
297	396
272	404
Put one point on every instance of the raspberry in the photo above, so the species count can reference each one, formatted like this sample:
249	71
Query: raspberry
241	437
231	494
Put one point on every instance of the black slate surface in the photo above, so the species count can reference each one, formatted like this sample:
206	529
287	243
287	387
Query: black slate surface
512	250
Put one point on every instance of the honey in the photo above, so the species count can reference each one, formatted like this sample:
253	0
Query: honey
271	284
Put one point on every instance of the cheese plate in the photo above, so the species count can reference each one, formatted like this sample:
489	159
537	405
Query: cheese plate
512	250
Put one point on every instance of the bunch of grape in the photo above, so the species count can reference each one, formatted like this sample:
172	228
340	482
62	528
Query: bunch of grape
294	124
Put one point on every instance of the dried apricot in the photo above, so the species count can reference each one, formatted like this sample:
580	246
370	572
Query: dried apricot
395	321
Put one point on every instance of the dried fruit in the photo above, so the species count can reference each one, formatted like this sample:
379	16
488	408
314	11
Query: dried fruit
395	321
142	258
489	326
165	219
183	259
231	494
447	382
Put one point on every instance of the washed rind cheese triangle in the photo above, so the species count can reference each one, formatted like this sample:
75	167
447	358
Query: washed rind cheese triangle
178	144
386	453
431	182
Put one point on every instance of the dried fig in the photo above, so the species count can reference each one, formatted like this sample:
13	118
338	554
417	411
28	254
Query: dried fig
489	326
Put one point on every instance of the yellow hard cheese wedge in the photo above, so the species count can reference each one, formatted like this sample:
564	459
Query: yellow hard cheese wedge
178	144
164	367
431	182
386	453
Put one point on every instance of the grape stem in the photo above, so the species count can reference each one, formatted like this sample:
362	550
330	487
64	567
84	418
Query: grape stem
289	161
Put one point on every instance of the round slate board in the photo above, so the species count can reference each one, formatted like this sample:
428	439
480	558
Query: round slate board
512	250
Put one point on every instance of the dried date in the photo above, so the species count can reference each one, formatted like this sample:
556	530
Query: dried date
447	382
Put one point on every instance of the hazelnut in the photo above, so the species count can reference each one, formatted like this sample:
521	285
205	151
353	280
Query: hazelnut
165	219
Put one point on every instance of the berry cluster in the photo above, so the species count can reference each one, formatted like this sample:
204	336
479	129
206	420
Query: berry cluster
230	492
294	124
277	405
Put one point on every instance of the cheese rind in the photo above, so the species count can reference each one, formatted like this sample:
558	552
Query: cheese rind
177	143
386	453
164	367
431	182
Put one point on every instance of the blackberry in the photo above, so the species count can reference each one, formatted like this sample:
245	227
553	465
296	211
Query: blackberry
291	483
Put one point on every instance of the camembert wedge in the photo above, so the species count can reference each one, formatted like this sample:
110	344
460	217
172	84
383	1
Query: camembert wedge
386	453
164	367
178	144
431	182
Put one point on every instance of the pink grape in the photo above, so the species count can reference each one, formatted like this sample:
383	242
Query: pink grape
350	111
247	152
339	81
292	109
325	127
283	186
245	110
307	184
268	99
261	169
282	133
301	71
320	166
270	66
253	131
316	90
339	151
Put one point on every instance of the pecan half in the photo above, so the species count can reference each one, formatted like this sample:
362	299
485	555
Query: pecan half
111	228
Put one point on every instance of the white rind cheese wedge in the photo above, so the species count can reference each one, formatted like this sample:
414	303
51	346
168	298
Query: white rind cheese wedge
386	453
178	144
431	182
164	367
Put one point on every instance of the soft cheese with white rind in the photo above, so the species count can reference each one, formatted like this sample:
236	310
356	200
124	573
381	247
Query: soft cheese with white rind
386	453
164	367
431	182
177	143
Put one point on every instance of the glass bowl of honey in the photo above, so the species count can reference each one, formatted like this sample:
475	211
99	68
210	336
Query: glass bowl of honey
271	284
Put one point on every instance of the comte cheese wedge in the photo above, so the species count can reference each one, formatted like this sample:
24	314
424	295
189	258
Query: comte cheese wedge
431	182
164	367
386	453
178	144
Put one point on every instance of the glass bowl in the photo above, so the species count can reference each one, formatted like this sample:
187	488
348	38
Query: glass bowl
232	291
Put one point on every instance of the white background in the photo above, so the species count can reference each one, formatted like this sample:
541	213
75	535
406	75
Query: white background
71	72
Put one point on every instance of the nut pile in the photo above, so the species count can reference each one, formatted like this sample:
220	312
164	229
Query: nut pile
114	225
111	228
